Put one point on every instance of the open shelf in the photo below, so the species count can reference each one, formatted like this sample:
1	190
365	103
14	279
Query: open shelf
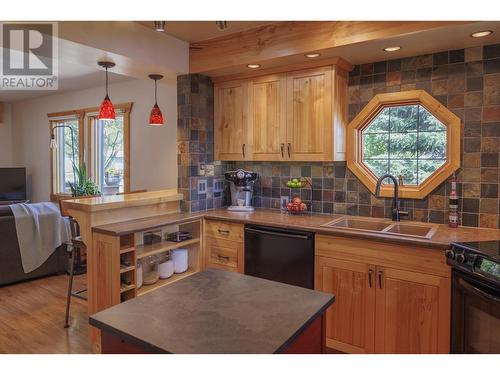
126	288
126	250
142	251
162	282
127	269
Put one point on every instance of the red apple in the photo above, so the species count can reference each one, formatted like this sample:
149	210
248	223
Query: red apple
297	200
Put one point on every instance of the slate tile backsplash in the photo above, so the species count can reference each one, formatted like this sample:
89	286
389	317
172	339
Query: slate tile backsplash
195	145
467	81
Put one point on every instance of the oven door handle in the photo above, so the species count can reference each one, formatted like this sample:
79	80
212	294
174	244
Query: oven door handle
472	289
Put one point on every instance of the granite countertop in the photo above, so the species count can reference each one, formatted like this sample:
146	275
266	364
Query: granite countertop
442	237
216	311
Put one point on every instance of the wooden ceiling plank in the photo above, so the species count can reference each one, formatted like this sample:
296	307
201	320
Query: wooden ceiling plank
284	39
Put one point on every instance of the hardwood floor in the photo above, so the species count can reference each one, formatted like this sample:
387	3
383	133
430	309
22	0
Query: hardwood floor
32	317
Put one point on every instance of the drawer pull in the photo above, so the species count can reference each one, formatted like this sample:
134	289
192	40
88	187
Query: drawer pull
223	231
370	274
380	279
223	258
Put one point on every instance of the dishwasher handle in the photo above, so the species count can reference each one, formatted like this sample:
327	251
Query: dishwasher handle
279	233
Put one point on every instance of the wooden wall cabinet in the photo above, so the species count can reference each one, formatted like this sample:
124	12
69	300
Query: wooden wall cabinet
267	120
231	121
290	116
389	298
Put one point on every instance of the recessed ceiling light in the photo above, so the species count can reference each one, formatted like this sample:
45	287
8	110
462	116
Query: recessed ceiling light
253	66
392	49
159	25
480	34
312	55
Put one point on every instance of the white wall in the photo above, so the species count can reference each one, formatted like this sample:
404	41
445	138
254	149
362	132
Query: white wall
153	150
5	135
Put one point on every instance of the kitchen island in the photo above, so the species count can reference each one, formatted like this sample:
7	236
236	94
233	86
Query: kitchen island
217	311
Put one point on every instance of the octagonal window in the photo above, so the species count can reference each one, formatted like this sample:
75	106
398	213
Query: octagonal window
408	134
405	141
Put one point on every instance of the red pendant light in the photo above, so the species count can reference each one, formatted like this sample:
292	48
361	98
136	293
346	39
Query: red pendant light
156	117
106	111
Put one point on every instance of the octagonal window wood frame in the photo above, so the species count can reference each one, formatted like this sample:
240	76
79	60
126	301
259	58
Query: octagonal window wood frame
453	126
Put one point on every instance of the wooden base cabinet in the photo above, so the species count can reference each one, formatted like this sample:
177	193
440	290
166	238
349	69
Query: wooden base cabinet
387	307
350	320
412	312
224	246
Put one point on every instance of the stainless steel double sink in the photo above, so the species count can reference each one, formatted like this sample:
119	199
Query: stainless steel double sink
383	226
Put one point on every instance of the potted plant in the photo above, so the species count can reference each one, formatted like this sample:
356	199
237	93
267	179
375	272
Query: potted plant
83	185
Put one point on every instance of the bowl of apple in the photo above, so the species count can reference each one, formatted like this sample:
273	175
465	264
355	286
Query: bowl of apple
296	206
294	183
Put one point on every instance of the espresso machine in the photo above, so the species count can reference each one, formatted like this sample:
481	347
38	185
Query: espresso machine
241	183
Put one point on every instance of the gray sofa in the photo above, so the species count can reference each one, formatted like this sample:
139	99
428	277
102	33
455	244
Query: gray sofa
11	268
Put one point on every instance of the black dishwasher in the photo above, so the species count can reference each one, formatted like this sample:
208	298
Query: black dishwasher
282	255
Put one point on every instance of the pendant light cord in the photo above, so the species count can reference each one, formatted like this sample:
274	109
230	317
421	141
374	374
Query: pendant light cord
156	91
106	81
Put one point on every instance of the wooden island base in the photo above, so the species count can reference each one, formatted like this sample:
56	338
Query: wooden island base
310	341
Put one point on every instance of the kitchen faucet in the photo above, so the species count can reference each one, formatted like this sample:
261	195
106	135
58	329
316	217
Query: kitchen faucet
396	214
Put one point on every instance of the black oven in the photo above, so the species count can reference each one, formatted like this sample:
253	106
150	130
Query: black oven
475	315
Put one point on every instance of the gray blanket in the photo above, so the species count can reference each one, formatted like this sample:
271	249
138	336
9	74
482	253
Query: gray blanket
40	230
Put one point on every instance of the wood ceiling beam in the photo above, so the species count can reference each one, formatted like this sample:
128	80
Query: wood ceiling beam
282	40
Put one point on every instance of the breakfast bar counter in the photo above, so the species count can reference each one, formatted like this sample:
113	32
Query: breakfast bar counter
217	311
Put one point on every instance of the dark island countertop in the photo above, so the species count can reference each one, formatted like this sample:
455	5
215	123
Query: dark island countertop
216	312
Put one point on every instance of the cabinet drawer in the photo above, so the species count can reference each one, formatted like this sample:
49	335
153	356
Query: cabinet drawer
407	257
224	254
224	230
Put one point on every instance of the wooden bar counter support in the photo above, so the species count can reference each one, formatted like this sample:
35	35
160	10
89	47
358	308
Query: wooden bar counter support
90	212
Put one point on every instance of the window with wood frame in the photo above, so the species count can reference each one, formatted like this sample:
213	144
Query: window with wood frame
409	135
102	145
66	151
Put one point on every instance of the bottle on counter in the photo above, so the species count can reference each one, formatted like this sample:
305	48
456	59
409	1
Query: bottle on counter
453	204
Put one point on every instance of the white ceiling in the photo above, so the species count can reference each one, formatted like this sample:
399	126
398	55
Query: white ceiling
71	77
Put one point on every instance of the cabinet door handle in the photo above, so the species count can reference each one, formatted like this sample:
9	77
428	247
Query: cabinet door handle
223	258
243	149
380	279
370	275
288	148
282	148
223	231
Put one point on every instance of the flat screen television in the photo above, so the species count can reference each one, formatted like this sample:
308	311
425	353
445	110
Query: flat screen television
12	184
